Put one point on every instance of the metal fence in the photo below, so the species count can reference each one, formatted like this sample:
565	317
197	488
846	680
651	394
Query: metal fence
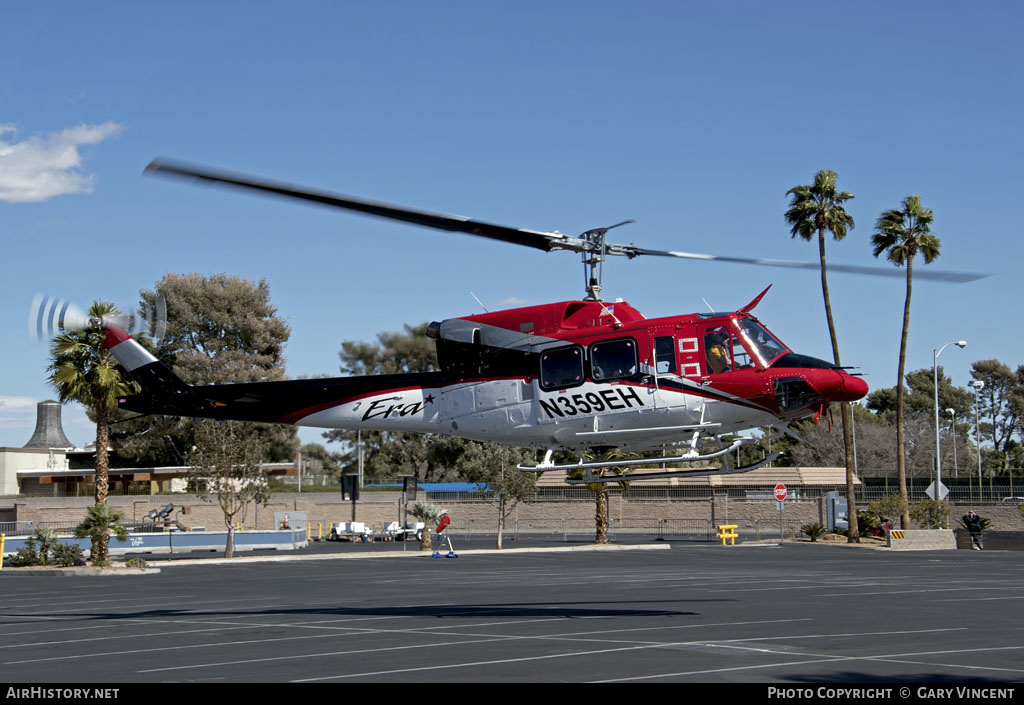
959	494
26	528
570	529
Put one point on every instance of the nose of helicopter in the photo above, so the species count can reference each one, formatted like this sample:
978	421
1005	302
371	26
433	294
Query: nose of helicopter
838	385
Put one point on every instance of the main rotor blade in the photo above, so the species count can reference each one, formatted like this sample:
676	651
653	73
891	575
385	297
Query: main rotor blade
546	241
937	275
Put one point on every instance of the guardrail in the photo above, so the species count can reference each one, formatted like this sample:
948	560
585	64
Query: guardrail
179	542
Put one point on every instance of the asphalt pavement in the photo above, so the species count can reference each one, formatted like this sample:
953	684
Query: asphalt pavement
691	612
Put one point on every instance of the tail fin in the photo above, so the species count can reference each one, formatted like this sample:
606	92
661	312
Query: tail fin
160	386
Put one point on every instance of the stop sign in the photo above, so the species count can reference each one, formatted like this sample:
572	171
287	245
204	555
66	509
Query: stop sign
780	492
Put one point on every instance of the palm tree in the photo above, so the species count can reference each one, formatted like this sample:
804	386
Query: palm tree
902	234
101	520
815	210
600	489
429	514
81	371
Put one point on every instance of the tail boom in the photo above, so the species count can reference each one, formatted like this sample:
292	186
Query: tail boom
402	402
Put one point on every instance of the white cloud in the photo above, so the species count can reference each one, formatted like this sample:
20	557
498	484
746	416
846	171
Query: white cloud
17	405
39	168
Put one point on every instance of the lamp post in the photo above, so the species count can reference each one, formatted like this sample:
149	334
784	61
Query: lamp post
952	432
978	386
853	432
935	375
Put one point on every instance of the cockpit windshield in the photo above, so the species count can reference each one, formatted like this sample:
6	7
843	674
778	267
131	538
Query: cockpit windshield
764	345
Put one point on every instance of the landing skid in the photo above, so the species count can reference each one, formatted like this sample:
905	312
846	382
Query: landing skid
691	456
589	478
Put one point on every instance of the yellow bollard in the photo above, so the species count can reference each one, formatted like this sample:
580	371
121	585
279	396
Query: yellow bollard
309	531
3	539
319	531
727	532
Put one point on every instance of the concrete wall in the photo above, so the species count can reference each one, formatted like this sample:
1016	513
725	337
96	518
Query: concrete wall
14	459
377	508
993	540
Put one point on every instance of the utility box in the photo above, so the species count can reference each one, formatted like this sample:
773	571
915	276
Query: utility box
837	511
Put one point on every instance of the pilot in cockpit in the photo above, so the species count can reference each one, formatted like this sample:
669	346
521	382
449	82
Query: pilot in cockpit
716	344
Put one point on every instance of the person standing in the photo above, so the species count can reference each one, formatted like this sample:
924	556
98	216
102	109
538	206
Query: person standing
973	523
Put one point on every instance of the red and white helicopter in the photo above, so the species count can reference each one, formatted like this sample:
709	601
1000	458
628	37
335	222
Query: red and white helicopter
572	375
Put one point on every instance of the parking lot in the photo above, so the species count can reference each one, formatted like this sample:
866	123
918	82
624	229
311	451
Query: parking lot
693	612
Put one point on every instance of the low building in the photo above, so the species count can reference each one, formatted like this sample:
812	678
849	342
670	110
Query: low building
49	465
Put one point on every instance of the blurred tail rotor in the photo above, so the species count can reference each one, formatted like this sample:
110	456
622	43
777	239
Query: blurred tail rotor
49	317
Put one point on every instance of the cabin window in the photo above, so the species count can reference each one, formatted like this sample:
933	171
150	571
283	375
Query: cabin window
717	350
561	367
665	355
613	359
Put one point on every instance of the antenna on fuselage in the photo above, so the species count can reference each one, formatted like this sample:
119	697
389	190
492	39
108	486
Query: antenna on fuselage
479	302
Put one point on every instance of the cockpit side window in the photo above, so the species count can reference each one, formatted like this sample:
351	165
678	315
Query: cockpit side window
740	357
717	350
665	355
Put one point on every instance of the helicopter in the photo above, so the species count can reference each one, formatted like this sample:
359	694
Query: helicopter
577	375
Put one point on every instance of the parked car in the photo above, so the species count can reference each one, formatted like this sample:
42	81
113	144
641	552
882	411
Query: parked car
1017	500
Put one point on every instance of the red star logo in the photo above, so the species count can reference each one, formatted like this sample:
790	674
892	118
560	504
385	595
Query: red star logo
429	399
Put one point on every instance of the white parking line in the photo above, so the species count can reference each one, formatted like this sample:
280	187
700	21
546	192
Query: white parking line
659	645
886	658
567	636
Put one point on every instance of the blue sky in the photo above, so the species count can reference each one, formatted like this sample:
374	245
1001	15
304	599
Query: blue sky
694	118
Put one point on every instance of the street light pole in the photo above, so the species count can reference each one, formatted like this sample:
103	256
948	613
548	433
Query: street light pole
952	432
935	374
853	432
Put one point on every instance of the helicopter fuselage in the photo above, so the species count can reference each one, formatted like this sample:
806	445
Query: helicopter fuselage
570	375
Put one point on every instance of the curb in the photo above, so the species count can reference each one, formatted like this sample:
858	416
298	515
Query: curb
870	547
239	560
80	572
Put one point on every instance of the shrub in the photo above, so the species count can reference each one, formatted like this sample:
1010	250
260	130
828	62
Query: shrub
67	555
891	506
26	556
869	523
136	563
931	514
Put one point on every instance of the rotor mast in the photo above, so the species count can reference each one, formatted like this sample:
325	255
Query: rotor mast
594	251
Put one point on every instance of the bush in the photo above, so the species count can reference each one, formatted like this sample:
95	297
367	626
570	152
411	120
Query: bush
136	563
67	555
43	548
869	523
931	514
25	557
890	506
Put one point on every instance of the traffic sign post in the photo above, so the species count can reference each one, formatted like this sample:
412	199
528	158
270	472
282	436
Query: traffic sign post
943	491
780	497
